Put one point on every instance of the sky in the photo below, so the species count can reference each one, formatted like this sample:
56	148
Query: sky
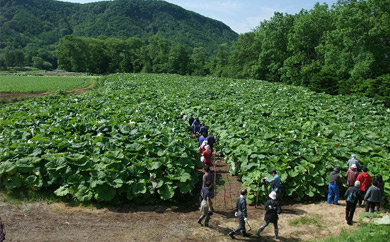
240	15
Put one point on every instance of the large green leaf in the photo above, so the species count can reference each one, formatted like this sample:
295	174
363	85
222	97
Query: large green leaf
166	192
104	193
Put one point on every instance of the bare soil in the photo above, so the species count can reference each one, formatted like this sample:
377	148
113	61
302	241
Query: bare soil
12	97
40	221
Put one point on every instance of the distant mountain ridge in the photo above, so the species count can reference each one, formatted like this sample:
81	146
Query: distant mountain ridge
33	24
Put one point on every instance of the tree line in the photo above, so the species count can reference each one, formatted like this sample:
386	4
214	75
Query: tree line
30	30
343	49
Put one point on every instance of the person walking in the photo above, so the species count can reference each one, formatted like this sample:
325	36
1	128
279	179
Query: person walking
352	161
211	141
333	188
373	195
201	139
275	181
273	209
191	120
352	174
241	213
204	130
381	186
207	176
207	154
351	198
195	126
206	205
365	181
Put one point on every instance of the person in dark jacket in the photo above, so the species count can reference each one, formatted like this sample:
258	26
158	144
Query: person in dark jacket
195	126
211	141
334	181
191	120
381	186
273	209
351	198
373	195
204	130
241	213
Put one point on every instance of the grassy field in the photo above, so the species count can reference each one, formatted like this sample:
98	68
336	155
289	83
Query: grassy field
17	84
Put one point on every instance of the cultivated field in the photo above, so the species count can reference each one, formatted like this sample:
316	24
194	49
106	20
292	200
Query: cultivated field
34	84
124	144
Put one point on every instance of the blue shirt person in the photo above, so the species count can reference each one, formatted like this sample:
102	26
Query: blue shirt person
275	181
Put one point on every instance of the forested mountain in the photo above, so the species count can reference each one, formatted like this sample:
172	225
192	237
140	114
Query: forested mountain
35	26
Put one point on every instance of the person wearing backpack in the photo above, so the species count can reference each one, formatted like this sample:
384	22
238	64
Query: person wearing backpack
273	209
372	196
351	198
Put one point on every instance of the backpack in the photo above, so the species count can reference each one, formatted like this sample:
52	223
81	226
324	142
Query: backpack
352	197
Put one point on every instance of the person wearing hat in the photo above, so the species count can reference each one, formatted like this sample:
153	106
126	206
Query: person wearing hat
273	209
334	181
352	174
275	181
241	213
351	198
352	161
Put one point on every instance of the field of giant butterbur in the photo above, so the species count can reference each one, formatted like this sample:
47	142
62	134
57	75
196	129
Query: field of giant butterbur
106	145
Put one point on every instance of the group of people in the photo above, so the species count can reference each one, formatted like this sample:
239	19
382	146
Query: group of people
272	208
361	188
206	148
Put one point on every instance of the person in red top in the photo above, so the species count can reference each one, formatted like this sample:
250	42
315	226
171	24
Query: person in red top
352	174
207	156
365	182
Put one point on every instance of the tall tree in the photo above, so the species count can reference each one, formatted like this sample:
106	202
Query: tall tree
198	61
244	55
273	36
304	63
179	59
72	54
158	51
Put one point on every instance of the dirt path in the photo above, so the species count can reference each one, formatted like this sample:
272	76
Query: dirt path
39	221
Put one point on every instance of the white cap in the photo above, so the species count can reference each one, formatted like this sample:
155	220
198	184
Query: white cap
353	166
272	195
357	183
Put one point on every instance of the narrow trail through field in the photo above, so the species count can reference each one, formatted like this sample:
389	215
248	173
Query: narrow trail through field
60	222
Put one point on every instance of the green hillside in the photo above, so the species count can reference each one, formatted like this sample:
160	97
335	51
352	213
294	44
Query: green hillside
35	26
